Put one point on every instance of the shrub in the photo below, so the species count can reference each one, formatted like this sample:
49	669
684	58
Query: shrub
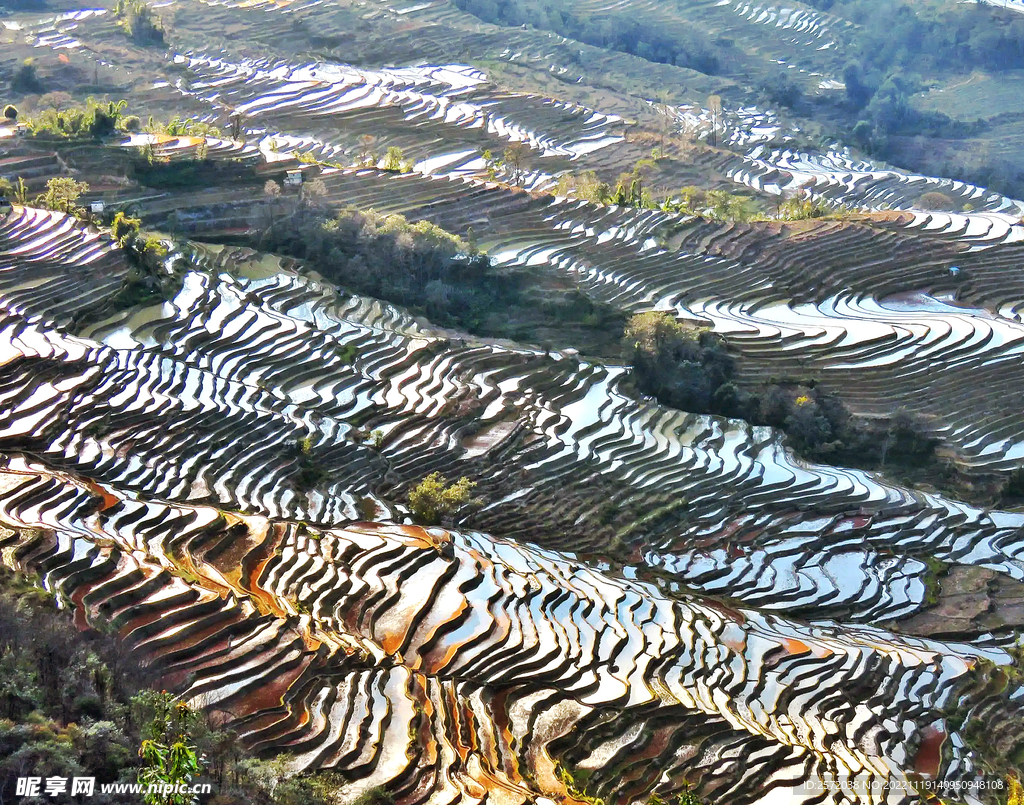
153	248
431	500
124	229
394	161
132	124
375	796
10	112
18	193
935	201
1016	791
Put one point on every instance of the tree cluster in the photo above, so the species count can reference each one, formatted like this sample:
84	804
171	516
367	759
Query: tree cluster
619	31
685	367
61	194
632	190
896	34
418	265
691	369
96	120
139	22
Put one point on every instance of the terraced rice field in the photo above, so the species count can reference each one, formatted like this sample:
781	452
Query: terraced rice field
444	114
153	478
665	601
916	311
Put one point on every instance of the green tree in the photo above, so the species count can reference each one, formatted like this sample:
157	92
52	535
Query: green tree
394	161
19	685
124	229
491	164
431	499
168	750
62	194
652	332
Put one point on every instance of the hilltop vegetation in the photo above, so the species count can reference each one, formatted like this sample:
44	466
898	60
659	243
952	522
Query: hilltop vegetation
897	49
930	39
620	31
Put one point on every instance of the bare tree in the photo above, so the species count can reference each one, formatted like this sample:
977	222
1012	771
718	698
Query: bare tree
368	150
512	159
715	107
237	125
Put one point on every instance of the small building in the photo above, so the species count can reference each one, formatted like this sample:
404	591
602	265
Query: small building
97	207
293	178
